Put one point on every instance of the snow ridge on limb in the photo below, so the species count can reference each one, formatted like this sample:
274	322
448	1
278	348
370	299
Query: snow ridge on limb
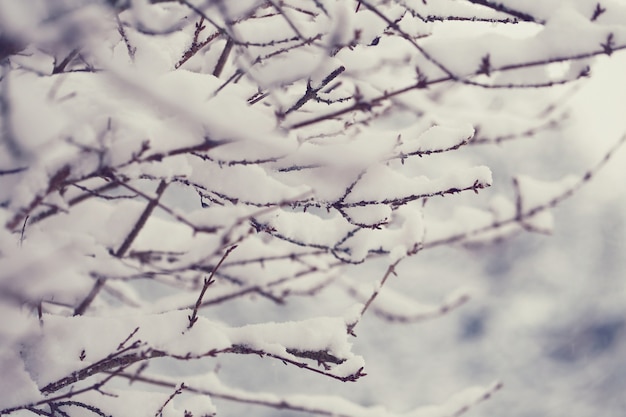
151	336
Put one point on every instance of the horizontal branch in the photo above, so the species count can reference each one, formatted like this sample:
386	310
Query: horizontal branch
138	352
312	404
400	201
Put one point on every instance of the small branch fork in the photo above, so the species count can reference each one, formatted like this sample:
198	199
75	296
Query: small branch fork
207	282
311	92
265	289
196	44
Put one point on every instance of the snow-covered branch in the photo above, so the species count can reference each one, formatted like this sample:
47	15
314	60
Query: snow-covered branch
142	141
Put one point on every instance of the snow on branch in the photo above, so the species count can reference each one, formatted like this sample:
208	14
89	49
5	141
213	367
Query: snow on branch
144	140
322	341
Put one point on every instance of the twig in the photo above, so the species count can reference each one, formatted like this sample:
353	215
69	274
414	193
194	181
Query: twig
241	349
115	360
499	7
178	391
95	410
123	342
321	407
63	64
170	211
311	92
23	232
207	281
221	62
76	200
390	270
152	203
120	28
421	84
522	216
12	171
196	46
426	314
55	183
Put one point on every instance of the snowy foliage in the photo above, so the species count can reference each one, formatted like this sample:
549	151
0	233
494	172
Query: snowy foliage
161	160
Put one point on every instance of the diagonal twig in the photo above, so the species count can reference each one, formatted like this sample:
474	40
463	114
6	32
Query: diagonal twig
130	238
207	281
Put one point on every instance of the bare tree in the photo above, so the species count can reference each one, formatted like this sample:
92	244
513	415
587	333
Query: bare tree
163	158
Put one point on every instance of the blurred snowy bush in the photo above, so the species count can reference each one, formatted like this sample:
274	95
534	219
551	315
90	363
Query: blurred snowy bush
184	181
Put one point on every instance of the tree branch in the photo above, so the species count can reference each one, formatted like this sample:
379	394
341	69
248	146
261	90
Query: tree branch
121	251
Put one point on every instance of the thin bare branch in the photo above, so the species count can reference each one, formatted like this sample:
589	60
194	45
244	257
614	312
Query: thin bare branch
121	251
207	281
